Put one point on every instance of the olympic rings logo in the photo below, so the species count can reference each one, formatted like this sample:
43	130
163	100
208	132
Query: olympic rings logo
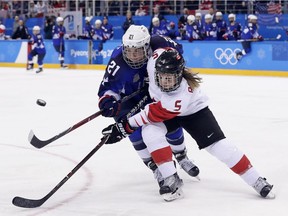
226	56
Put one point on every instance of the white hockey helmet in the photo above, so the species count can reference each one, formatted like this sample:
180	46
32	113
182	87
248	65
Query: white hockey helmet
232	17
252	17
219	14
135	45
98	23
198	15
36	30
208	16
88	19
155	21
190	19
59	19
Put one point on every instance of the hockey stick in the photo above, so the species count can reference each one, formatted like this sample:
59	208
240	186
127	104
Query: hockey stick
36	142
278	23
265	39
33	203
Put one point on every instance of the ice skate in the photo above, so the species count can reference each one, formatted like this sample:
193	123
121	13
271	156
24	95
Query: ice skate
63	66
239	56
30	67
39	70
264	188
171	188
157	174
187	165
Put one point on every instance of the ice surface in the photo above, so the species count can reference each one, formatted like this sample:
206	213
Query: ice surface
253	112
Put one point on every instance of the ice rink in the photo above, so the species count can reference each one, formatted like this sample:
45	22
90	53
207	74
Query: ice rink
252	111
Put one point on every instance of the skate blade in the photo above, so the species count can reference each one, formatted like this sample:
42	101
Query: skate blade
173	196
271	195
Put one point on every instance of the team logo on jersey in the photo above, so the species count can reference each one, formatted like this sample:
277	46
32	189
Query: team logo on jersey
136	78
227	56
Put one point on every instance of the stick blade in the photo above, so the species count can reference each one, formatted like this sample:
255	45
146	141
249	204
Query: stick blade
27	203
37	143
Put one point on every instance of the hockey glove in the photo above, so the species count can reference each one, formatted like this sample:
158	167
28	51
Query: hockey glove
117	131
260	38
61	34
109	106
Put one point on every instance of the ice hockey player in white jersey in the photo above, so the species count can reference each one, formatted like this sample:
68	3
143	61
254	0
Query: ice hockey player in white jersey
179	101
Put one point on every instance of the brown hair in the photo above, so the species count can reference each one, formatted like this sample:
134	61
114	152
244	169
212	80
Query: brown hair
192	78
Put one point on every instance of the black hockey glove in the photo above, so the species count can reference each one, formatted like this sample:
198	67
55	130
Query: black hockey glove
117	131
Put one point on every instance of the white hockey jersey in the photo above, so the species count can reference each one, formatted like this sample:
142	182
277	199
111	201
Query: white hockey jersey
181	102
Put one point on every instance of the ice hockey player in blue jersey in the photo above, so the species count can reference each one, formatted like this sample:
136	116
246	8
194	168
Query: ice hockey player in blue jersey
38	49
58	32
249	34
126	73
88	30
107	28
159	28
192	32
233	29
209	28
221	25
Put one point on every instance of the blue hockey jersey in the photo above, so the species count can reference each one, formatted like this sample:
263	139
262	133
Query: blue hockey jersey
37	43
58	33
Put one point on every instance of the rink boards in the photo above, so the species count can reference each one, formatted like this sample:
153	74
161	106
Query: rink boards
268	58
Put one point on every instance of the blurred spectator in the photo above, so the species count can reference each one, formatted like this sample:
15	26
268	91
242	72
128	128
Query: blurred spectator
16	6
107	28
15	23
41	9
2	33
142	10
209	28
198	20
159	27
183	19
21	31
49	22
221	25
129	21
32	10
156	13
211	11
114	8
205	5
233	29
192	4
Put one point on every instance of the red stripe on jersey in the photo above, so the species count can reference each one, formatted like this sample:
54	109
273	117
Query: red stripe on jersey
242	166
159	114
162	155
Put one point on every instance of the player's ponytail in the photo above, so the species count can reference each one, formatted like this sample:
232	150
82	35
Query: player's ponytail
192	78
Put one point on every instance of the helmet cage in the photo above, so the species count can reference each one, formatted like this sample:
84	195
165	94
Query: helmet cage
135	57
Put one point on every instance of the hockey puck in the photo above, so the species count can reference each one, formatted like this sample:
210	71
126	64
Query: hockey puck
41	102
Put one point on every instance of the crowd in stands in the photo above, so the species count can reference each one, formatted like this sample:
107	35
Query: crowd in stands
192	25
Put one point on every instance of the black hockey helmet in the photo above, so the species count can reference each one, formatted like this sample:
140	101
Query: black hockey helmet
169	69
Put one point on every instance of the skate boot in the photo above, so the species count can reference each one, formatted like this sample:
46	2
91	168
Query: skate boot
239	56
187	165
30	66
63	66
171	188
157	174
264	188
39	70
